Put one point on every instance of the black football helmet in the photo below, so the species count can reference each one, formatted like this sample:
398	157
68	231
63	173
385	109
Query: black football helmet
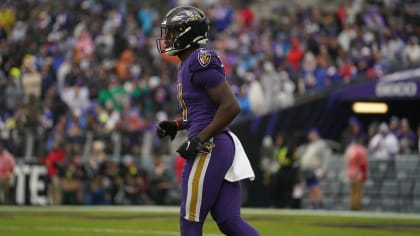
182	28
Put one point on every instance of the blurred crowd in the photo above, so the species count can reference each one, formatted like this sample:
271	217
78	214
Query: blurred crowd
76	73
295	166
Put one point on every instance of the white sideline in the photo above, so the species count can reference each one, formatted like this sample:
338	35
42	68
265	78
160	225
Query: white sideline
334	213
92	230
175	209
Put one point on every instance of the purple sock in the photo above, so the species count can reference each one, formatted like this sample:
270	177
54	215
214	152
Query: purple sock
237	227
227	212
191	228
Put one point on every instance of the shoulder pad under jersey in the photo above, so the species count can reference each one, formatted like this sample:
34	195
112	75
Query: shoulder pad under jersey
203	58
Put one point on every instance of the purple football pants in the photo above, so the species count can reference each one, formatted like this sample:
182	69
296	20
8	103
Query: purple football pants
205	190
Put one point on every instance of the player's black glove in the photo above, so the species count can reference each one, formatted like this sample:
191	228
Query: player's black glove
167	128
191	147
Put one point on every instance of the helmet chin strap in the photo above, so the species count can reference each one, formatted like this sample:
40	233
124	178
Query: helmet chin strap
171	52
200	40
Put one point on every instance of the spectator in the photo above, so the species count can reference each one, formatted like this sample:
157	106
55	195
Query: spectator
146	16
31	78
371	130
307	80
373	18
57	134
244	104
393	46
132	126
245	18
394	125
76	97
347	70
407	138
320	73
55	104
285	179
13	92
278	88
313	157
295	55
352	133
84	48
384	144
412	51
31	113
71	183
29	119
7	170
256	94
160	181
222	15
54	160
418	139
268	164
3	83
356	162
96	193
136	185
113	96
75	133
346	36
286	90
124	65
98	157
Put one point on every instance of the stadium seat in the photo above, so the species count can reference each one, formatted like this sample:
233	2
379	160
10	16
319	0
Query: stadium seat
370	195
345	189
406	167
331	190
405	195
416	206
416	190
389	195
334	168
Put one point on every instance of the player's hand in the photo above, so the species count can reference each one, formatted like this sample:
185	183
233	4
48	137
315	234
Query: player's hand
167	128
190	148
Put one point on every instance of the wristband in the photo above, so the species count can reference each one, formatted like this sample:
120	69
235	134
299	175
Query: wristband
178	125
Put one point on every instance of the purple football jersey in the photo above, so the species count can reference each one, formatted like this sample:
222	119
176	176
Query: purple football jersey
201	71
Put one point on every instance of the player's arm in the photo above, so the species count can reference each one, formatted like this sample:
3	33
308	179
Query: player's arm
227	109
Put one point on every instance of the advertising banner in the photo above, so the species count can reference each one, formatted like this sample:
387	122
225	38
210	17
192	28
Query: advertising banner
402	84
30	185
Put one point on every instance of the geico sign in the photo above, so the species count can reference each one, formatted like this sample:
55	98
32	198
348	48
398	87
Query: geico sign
402	89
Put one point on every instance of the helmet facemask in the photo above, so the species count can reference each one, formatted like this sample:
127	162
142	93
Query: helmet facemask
166	42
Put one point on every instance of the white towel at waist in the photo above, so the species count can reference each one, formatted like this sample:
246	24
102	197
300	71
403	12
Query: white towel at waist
241	167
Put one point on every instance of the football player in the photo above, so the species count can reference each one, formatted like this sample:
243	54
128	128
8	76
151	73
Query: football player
215	160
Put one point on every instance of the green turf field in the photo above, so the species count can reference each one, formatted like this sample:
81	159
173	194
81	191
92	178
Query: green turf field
134	220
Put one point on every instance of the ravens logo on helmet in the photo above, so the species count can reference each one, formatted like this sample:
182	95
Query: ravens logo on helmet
182	28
